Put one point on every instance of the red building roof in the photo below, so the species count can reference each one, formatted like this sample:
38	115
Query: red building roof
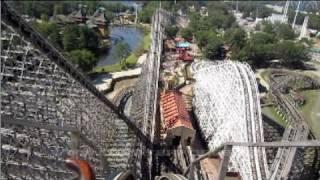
174	111
184	56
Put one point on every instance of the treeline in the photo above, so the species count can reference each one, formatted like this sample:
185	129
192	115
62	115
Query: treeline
79	43
269	42
50	8
273	42
219	28
207	29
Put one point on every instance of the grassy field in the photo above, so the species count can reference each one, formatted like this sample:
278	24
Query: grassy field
109	68
271	113
147	41
132	59
311	110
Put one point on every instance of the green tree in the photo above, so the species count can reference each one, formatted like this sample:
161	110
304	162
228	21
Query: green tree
109	15
186	33
70	38
214	49
217	5
55	39
314	21
114	7
218	19
92	40
210	43
34	8
236	37
82	41
291	53
57	9
201	37
147	11
229	21
267	27
88	39
204	37
44	17
262	38
121	52
284	31
196	21
255	54
263	47
51	31
91	6
145	16
46	28
241	55
84	59
171	31
258	50
247	8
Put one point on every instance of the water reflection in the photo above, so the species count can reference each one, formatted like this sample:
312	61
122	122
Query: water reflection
98	78
130	35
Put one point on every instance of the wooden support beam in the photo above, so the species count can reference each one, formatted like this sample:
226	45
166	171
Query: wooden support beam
225	161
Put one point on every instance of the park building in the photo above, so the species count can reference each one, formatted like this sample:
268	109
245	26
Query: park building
176	122
98	20
80	16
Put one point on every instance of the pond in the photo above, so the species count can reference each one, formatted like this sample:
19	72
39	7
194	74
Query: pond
131	35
